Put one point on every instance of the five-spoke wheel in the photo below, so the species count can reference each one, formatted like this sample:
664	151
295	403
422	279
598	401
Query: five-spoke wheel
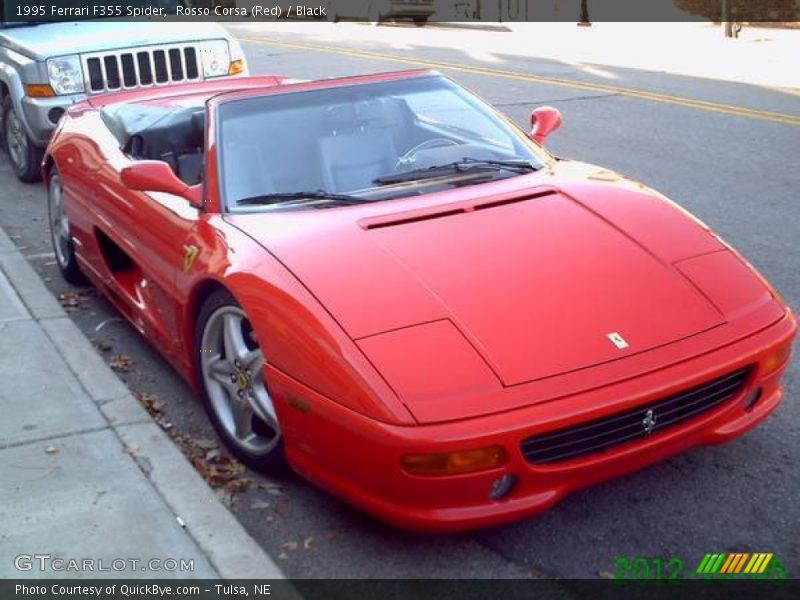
231	370
60	233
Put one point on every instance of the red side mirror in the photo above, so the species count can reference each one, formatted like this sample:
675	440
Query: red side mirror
156	176
544	121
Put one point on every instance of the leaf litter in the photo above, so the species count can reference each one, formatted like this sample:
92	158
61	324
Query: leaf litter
223	473
75	299
121	363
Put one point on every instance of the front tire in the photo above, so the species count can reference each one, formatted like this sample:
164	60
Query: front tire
60	234
230	377
24	156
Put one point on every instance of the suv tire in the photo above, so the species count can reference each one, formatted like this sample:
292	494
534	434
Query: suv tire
24	156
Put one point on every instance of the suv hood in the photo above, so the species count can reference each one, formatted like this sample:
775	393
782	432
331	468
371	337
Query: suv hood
78	37
536	283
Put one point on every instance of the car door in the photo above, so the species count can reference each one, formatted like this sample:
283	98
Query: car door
143	243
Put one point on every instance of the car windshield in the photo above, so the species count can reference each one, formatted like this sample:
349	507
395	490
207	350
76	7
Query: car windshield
368	142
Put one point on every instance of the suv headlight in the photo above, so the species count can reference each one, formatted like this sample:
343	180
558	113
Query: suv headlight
65	74
216	58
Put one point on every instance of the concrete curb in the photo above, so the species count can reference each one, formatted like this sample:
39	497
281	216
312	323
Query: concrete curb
228	547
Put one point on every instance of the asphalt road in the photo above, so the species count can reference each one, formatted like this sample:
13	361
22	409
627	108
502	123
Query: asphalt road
737	173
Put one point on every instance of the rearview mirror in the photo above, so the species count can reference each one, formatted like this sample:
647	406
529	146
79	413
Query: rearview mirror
156	176
544	121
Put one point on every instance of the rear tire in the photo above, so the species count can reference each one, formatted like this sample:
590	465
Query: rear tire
25	158
60	233
230	377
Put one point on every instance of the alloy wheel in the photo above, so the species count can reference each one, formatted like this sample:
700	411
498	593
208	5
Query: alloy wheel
232	366
59	224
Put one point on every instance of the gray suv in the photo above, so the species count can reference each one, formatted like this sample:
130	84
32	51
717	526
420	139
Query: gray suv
46	67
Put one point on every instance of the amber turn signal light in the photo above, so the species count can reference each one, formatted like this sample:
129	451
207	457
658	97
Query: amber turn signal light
39	90
455	463
777	359
237	66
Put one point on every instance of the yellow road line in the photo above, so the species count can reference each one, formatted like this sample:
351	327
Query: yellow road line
728	109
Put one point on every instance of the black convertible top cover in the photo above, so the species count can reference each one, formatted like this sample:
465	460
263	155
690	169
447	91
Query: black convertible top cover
156	132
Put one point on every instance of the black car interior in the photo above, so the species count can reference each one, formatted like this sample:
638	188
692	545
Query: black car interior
171	134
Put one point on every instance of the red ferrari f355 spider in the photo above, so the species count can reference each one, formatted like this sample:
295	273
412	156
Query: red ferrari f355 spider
387	284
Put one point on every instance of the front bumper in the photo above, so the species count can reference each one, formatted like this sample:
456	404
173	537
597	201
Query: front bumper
358	458
39	115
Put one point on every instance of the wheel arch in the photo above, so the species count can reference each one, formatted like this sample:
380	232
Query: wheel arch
199	293
47	165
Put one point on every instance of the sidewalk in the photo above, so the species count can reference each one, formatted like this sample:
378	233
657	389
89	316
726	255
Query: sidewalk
86	473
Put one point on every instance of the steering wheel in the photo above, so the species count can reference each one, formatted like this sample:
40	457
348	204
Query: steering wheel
409	158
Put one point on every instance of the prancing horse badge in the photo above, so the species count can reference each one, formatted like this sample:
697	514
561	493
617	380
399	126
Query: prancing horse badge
617	340
188	258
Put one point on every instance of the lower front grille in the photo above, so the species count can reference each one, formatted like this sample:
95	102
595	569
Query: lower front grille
127	69
601	434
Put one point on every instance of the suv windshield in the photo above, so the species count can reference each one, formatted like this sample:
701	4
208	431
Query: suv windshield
367	141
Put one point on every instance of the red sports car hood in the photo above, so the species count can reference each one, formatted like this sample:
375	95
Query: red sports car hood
539	276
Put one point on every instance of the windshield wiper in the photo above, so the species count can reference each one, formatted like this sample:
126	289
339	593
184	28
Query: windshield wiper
464	165
282	197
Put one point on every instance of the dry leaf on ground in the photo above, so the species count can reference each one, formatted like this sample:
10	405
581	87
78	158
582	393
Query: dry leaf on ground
74	299
222	472
121	363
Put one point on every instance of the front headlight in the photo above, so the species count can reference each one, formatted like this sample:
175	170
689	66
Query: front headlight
65	74
216	58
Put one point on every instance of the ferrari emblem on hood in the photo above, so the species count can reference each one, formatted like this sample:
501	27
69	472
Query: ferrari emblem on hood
617	340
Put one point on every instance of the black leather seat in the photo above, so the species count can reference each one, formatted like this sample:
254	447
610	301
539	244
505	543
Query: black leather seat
189	167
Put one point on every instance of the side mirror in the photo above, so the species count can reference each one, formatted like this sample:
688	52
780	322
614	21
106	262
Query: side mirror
156	176
544	121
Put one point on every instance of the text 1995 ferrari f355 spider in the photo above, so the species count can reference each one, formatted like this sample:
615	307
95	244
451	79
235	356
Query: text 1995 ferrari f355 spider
387	284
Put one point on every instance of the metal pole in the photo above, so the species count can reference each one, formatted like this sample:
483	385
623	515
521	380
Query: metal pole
727	26
584	22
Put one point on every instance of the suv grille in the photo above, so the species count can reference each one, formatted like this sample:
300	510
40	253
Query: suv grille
638	423
141	67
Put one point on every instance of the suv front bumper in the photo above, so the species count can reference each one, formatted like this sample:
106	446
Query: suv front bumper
40	115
